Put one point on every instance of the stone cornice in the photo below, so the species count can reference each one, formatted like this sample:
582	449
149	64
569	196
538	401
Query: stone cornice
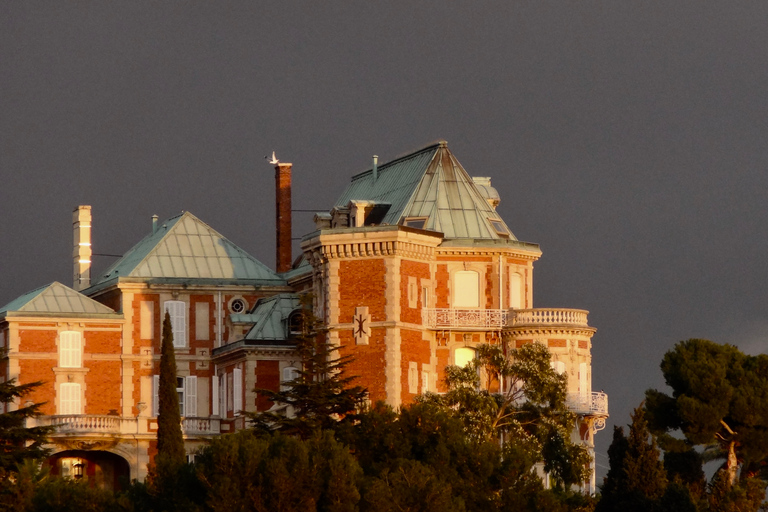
529	330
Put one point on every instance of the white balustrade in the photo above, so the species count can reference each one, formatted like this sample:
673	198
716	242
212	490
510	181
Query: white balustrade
548	316
201	426
594	403
82	423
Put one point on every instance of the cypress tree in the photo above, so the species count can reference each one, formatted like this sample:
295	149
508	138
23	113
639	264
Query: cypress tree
170	442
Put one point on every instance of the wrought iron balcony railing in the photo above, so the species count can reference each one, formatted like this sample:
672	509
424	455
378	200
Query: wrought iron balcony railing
467	319
595	404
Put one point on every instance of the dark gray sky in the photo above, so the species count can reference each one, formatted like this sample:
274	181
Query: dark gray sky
627	138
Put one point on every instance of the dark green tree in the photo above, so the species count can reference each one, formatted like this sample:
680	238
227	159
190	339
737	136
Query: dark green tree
17	441
321	396
719	401
636	480
170	441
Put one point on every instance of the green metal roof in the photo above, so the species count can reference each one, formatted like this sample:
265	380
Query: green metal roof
184	248
55	299
270	317
430	184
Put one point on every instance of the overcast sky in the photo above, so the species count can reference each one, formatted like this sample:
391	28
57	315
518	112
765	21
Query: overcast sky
627	138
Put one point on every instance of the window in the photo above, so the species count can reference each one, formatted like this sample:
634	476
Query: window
515	291
70	350
186	390
462	356
413	377
425	302
69	398
178	311
584	386
466	288
415	222
290	373
558	366
499	227
424	381
296	324
223	396
237	375
238	305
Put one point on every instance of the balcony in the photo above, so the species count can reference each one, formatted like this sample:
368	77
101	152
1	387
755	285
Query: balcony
465	319
548	316
496	319
594	404
85	424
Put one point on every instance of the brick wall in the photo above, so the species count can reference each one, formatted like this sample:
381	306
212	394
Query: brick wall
368	363
37	341
362	283
267	377
420	271
39	370
412	349
102	387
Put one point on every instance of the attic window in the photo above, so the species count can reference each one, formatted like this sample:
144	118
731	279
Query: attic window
415	222
499	227
296	324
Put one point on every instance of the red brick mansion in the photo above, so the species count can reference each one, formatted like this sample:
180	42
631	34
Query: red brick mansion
410	269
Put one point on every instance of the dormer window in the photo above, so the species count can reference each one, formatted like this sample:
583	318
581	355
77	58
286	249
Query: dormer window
415	222
296	324
499	227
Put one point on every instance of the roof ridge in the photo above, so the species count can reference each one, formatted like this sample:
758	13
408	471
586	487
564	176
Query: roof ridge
400	158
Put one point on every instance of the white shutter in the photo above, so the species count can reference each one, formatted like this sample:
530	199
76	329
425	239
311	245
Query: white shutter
69	398
70	352
178	311
155	395
584	387
190	396
215	395
237	389
223	395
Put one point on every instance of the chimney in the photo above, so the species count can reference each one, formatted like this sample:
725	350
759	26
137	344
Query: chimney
154	224
81	226
375	169
283	216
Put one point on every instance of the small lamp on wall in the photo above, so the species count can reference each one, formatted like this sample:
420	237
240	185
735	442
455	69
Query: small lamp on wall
77	470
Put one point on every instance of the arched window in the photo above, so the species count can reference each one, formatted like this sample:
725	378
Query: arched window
462	356
466	289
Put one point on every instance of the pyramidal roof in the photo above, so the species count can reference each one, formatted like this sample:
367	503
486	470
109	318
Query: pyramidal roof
184	248
429	184
55	299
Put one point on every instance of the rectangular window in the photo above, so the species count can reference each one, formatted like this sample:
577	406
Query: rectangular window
223	396
237	404
425	302
69	398
466	289
180	394
70	350
178	311
155	395
147	315
413	293
215	407
202	323
230	389
424	381
290	374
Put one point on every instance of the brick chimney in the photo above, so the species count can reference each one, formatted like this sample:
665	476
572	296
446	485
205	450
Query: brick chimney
81	254
283	216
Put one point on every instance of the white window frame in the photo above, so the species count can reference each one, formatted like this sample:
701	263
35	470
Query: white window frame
178	311
237	391
70	398
190	396
70	349
424	381
290	373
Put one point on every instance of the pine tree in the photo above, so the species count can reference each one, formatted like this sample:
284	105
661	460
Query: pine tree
17	441
321	396
170	441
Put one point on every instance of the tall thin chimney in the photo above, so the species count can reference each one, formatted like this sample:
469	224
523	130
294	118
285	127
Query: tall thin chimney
81	254
375	169
283	215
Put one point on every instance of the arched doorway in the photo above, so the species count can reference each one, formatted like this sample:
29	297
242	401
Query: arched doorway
100	469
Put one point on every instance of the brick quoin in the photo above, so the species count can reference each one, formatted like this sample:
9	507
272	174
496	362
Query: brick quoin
37	341
39	370
102	387
267	377
368	363
362	283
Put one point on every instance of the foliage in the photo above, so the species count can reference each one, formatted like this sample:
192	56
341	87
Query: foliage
320	396
517	397
279	473
719	399
636	479
18	442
